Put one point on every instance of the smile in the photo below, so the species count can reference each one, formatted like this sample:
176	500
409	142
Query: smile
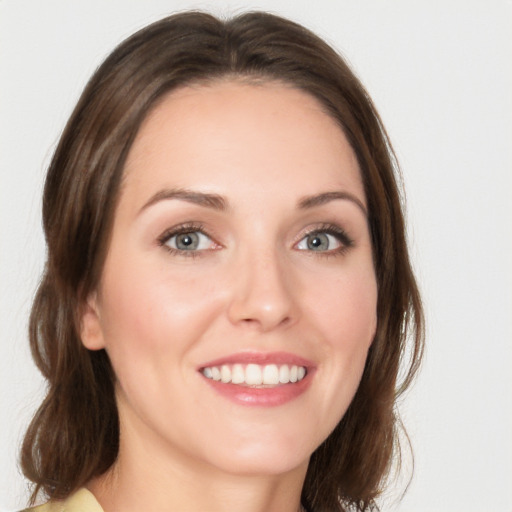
255	374
259	379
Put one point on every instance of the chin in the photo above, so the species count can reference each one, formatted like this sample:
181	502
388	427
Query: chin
265	455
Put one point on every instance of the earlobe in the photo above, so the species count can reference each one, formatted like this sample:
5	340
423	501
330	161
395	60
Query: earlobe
91	332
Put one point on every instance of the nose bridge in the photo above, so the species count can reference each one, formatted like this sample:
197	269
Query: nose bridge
262	293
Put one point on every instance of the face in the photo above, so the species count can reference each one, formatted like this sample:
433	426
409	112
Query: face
238	298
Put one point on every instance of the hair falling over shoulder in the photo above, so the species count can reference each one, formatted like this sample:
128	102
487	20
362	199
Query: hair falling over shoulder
74	435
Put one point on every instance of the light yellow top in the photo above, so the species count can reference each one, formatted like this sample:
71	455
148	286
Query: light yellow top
81	501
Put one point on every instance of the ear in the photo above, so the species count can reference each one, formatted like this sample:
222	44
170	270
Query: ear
91	332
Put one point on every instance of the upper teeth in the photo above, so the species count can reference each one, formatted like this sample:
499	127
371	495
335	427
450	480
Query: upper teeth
255	374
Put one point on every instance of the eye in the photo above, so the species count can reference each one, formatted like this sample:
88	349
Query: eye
318	242
331	239
186	239
193	241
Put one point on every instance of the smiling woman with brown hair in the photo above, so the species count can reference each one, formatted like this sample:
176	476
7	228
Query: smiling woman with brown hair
228	295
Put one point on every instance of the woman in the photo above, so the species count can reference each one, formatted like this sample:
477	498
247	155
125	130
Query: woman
228	294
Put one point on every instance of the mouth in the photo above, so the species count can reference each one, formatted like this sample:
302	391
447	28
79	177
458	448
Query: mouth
259	379
269	375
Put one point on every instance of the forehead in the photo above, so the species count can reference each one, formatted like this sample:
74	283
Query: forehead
241	137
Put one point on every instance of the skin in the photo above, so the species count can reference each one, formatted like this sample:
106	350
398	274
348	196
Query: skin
253	286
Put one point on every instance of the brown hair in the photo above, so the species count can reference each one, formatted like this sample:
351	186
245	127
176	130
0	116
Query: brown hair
74	434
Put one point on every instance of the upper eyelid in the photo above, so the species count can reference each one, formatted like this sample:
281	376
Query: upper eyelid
329	228
183	228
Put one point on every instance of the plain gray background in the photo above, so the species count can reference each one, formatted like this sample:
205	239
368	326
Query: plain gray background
440	73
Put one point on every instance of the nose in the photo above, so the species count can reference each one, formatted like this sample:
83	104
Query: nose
263	295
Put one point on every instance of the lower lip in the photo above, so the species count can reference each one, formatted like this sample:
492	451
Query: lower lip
263	397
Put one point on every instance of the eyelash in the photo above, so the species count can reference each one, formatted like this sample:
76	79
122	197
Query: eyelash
328	229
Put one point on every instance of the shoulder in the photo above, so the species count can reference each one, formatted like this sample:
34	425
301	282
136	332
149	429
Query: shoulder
80	501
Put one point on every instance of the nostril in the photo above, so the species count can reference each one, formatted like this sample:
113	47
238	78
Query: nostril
267	321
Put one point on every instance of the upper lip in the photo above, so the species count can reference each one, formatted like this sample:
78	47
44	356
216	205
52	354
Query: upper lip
260	358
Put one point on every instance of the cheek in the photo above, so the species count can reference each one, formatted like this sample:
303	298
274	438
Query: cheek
347	310
147	310
346	317
151	320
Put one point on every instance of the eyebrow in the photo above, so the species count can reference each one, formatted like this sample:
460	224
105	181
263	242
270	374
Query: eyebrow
326	197
213	201
217	202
